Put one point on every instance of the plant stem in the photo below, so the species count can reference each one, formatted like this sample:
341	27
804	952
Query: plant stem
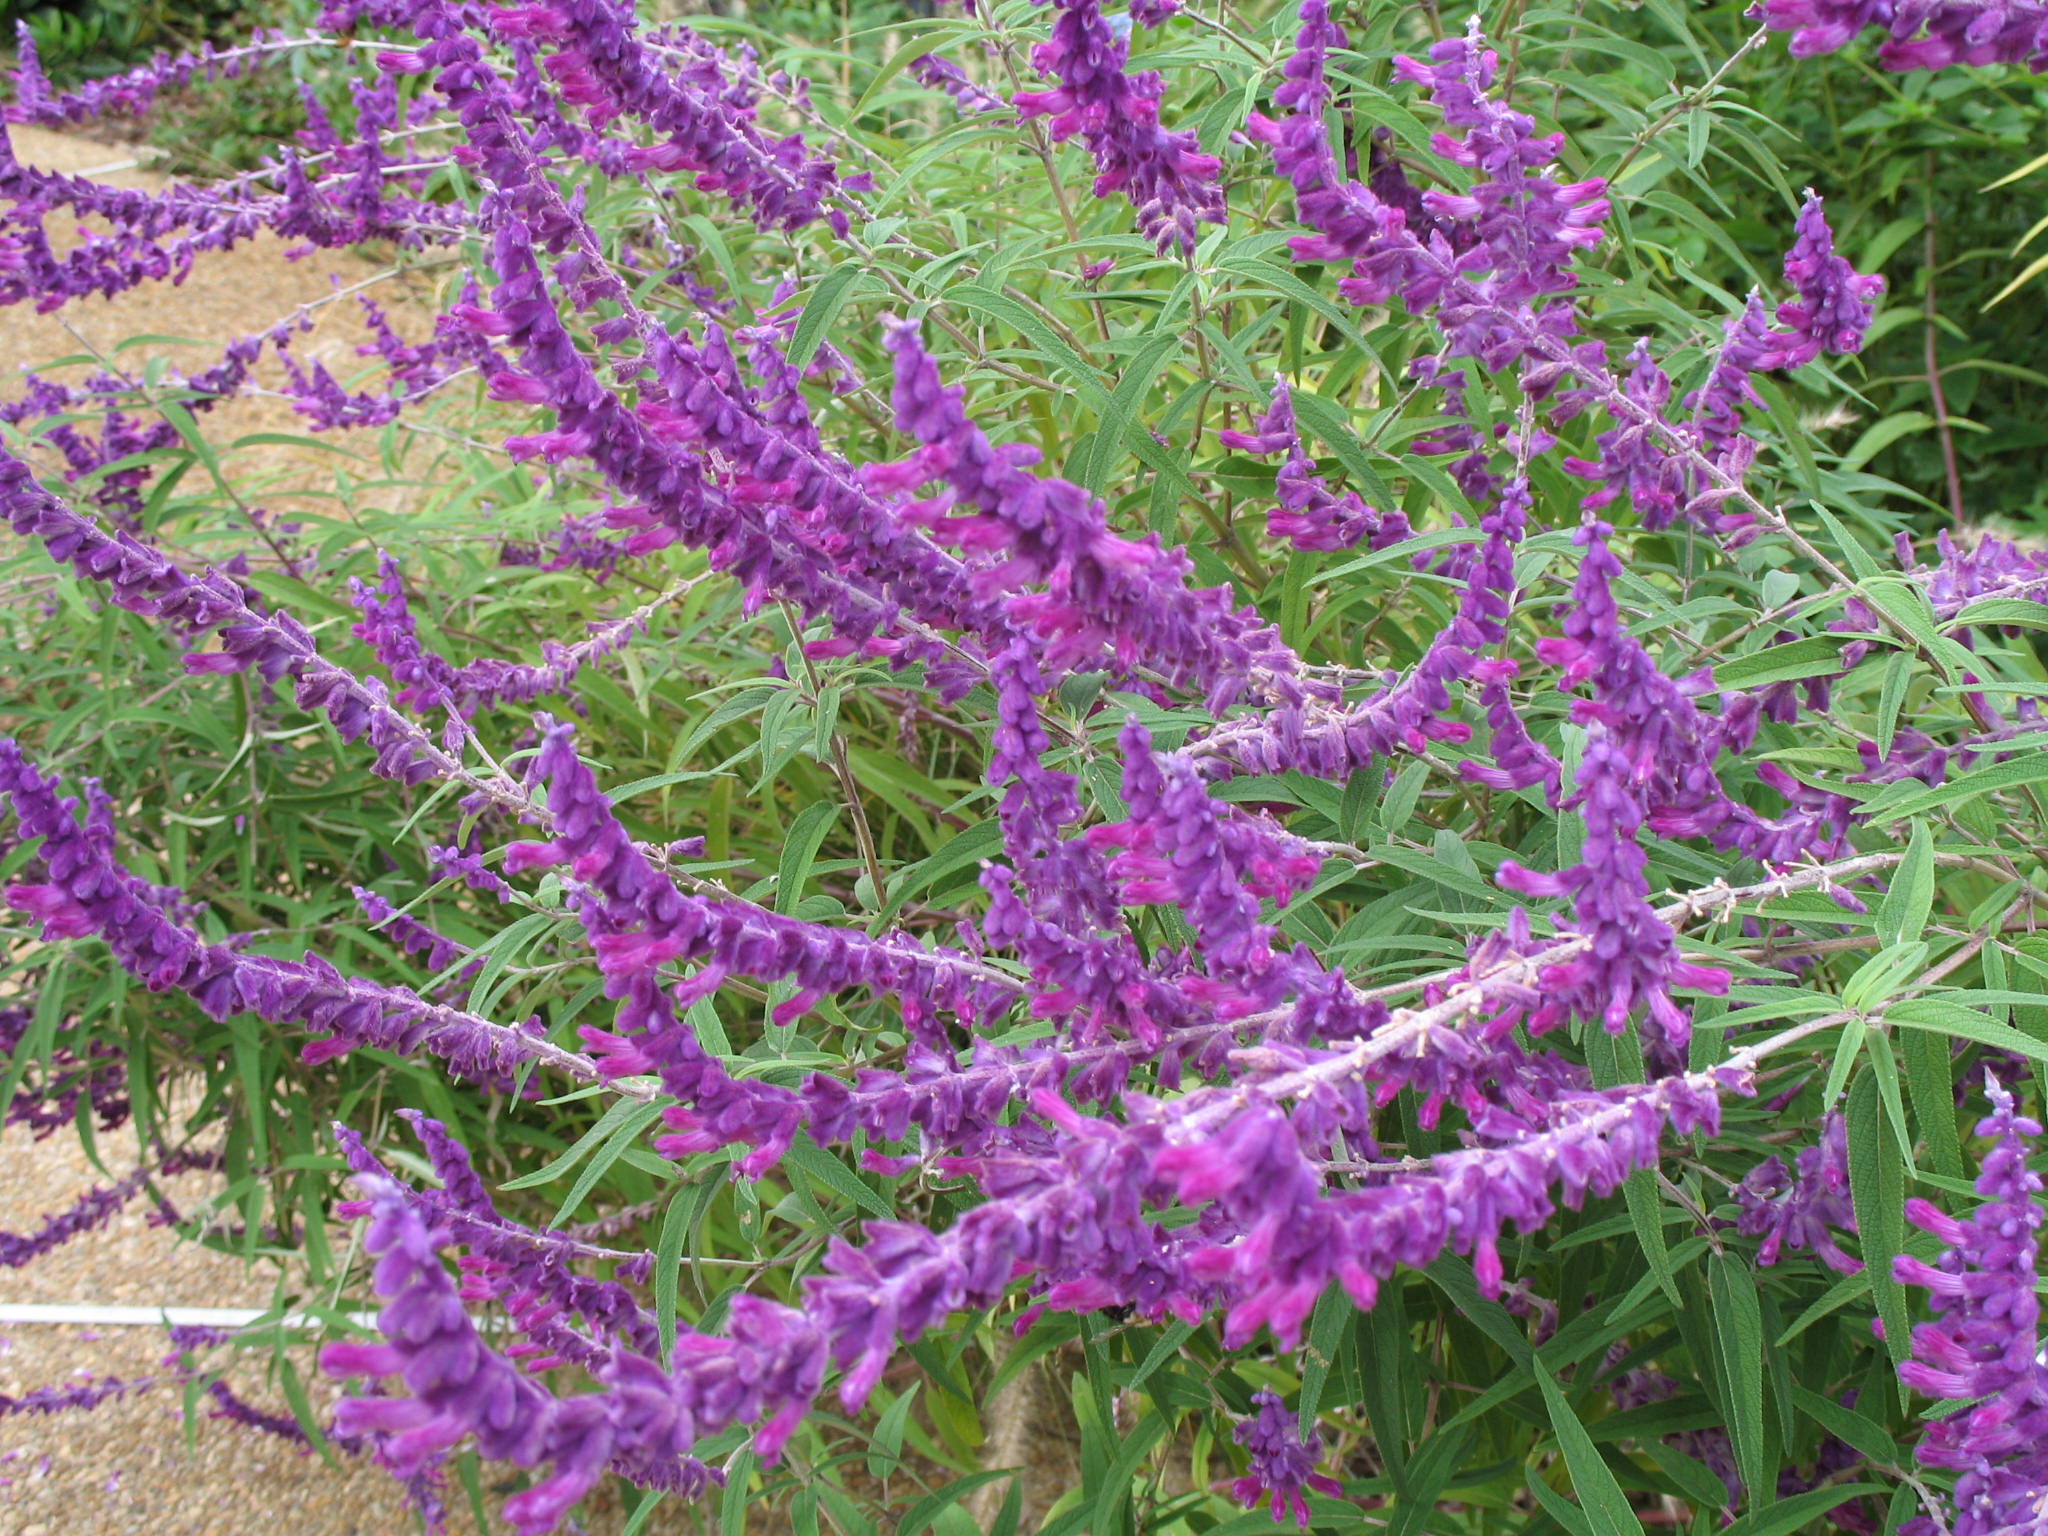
1933	355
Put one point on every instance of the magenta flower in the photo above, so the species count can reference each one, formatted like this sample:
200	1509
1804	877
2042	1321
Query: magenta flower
1283	1460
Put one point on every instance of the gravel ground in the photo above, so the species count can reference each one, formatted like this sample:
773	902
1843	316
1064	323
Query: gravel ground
228	294
129	1465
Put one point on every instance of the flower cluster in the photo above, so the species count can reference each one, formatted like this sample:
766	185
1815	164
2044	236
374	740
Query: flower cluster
1984	1346
1920	34
1166	176
1283	1460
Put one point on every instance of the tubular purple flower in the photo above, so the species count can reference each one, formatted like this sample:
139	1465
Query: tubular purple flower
89	1212
1528	227
1833	310
944	75
1165	175
1802	1210
309	993
1182	848
595	53
1103	592
133	92
83	1395
1957	31
1984	1345
1283	1460
1310	515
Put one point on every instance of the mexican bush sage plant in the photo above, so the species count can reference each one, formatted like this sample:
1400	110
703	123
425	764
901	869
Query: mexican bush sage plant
1022	716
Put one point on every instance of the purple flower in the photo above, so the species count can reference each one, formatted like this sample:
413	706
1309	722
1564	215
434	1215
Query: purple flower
1957	31
341	1013
1310	515
1527	225
944	75
90	1211
1802	1210
85	1395
1283	1460
1833	309
1984	1346
1165	175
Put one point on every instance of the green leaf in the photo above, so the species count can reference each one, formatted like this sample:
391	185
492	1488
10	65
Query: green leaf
821	1165
1613	1060
1880	435
623	1136
668	1264
2010	177
1325	1331
1702	1487
1039	336
1177	1333
1122	1478
887	1448
1385	1357
1847	1053
1785	1515
920	1515
1898	674
499	951
981	841
1820	656
732	1505
2028	273
1885	974
1856	1430
799	848
1401	796
1557	1506
2017	611
255	1085
584	1145
650	1500
1606	1506
1910	901
1140	375
1931	1089
2010	774
1845	1290
821	309
1877	1190
1012	1512
1948	1018
1739	1337
1455	1280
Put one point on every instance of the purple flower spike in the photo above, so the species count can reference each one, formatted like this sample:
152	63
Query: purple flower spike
1802	1210
1528	225
1833	309
1283	1460
1165	175
1310	514
1957	31
944	75
1984	1345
